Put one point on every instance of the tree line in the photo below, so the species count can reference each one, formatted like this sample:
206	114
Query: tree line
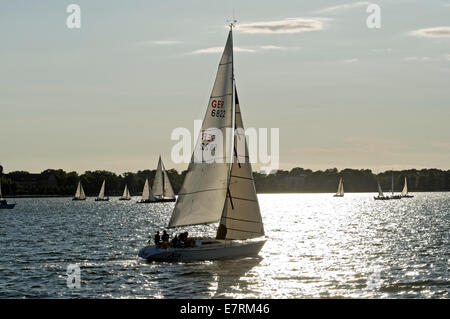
59	182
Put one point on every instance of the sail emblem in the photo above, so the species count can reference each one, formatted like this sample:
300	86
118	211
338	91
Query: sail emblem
208	140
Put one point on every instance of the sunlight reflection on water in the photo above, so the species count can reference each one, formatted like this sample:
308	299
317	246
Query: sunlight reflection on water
318	246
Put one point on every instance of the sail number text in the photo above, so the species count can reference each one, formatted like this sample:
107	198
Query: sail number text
218	108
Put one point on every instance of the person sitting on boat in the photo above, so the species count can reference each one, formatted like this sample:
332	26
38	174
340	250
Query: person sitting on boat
165	237
157	239
174	242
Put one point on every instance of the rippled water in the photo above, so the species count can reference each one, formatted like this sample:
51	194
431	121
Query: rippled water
318	246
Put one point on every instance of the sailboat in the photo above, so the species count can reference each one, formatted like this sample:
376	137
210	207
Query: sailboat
126	194
380	193
340	190
147	194
215	191
101	195
405	191
392	188
3	203
162	188
79	194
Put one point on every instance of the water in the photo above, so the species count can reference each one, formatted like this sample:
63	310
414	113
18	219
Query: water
318	246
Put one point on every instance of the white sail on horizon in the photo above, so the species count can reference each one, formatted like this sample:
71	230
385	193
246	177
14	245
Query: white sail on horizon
162	187
380	191
241	215
340	190
147	193
126	193
405	188
80	191
101	194
202	195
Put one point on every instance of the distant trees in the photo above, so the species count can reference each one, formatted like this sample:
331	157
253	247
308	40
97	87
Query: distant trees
59	182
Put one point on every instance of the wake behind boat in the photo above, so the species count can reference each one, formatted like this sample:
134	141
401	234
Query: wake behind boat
213	191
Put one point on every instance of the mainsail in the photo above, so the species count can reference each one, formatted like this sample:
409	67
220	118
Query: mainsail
405	188
340	190
80	192
147	193
202	195
126	193
101	194
241	216
380	192
161	185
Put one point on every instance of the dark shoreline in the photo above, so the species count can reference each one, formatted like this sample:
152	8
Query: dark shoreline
93	196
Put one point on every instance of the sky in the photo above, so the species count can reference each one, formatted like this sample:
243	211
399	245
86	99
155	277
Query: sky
108	95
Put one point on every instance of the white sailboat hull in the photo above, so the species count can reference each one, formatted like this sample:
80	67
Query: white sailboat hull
205	249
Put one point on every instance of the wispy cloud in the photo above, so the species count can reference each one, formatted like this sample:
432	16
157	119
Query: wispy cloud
435	32
286	26
341	7
353	60
158	42
445	57
220	50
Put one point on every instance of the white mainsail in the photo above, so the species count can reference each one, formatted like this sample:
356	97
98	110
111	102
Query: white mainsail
380	191
241	216
126	193
157	188
80	191
202	195
168	190
147	193
101	194
405	188
161	185
340	190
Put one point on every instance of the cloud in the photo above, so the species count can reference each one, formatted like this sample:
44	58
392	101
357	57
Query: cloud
435	32
445	57
157	42
341	7
348	61
286	26
220	50
277	48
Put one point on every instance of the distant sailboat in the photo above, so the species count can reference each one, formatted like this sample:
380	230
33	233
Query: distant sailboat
126	194
392	188
162	188
101	195
147	194
340	190
79	194
380	193
405	191
215	192
3	203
